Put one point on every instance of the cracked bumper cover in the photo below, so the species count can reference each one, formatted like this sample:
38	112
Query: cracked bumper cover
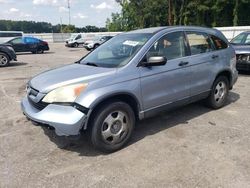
66	120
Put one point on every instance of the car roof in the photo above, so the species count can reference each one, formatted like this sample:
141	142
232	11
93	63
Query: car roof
154	30
245	32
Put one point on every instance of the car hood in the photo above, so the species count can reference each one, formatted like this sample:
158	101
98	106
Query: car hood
66	75
241	49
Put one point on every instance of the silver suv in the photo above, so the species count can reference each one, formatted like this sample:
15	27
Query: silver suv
130	77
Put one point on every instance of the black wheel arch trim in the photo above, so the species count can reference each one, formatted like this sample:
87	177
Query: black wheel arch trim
108	97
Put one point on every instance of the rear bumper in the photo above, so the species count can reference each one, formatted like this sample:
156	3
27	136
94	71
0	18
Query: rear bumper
66	120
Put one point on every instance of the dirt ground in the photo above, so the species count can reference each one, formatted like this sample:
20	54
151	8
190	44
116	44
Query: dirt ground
189	147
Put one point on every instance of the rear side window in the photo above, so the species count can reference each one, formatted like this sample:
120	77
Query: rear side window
218	43
171	46
199	42
31	40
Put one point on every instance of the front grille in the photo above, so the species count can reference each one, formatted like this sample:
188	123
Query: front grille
40	105
32	95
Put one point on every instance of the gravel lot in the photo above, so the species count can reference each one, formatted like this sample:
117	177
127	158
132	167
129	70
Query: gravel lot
189	147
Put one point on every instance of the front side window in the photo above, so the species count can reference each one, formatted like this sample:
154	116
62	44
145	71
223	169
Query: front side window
78	37
171	46
199	43
118	51
17	41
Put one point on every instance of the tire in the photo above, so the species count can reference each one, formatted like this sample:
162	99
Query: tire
75	45
96	46
39	51
219	93
4	60
112	126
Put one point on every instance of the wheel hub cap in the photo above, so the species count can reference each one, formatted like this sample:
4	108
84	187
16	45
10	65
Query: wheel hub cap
220	91
115	127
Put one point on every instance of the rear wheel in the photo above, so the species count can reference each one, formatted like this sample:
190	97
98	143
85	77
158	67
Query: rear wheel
112	126
40	51
4	60
219	93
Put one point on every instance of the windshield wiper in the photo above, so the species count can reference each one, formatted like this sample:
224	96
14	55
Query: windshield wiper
92	64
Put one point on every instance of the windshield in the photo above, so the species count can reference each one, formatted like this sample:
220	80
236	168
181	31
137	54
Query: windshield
73	36
118	51
238	39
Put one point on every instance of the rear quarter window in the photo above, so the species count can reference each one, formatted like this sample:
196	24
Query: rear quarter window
219	43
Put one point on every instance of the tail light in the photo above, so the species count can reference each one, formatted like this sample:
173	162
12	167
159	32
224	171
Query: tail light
45	43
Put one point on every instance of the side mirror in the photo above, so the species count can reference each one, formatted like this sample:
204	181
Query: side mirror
155	61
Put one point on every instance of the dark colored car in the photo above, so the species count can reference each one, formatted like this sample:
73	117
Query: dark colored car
28	44
96	42
7	54
241	45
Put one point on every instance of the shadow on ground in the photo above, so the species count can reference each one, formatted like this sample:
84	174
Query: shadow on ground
14	64
29	53
143	128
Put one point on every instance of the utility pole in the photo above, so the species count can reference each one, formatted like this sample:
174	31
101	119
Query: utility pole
69	11
61	29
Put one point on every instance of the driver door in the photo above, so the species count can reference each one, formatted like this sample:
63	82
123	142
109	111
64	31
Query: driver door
167	84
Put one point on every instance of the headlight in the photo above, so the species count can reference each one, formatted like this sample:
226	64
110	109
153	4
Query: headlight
65	94
90	45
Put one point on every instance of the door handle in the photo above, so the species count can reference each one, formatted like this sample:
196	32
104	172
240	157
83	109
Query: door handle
183	63
214	56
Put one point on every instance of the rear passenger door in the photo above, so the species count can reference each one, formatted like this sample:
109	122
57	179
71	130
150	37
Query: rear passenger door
203	61
162	85
31	44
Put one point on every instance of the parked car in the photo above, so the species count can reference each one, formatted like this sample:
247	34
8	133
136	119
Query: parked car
28	44
241	44
96	42
7	54
132	76
78	39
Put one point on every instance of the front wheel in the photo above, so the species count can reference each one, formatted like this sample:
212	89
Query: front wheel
75	45
112	126
219	93
4	60
96	46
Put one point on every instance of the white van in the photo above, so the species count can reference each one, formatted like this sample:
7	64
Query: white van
8	35
77	39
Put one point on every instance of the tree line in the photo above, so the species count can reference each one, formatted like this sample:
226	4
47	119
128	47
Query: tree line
151	13
45	27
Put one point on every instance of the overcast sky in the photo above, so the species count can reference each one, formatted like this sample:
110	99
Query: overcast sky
83	12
